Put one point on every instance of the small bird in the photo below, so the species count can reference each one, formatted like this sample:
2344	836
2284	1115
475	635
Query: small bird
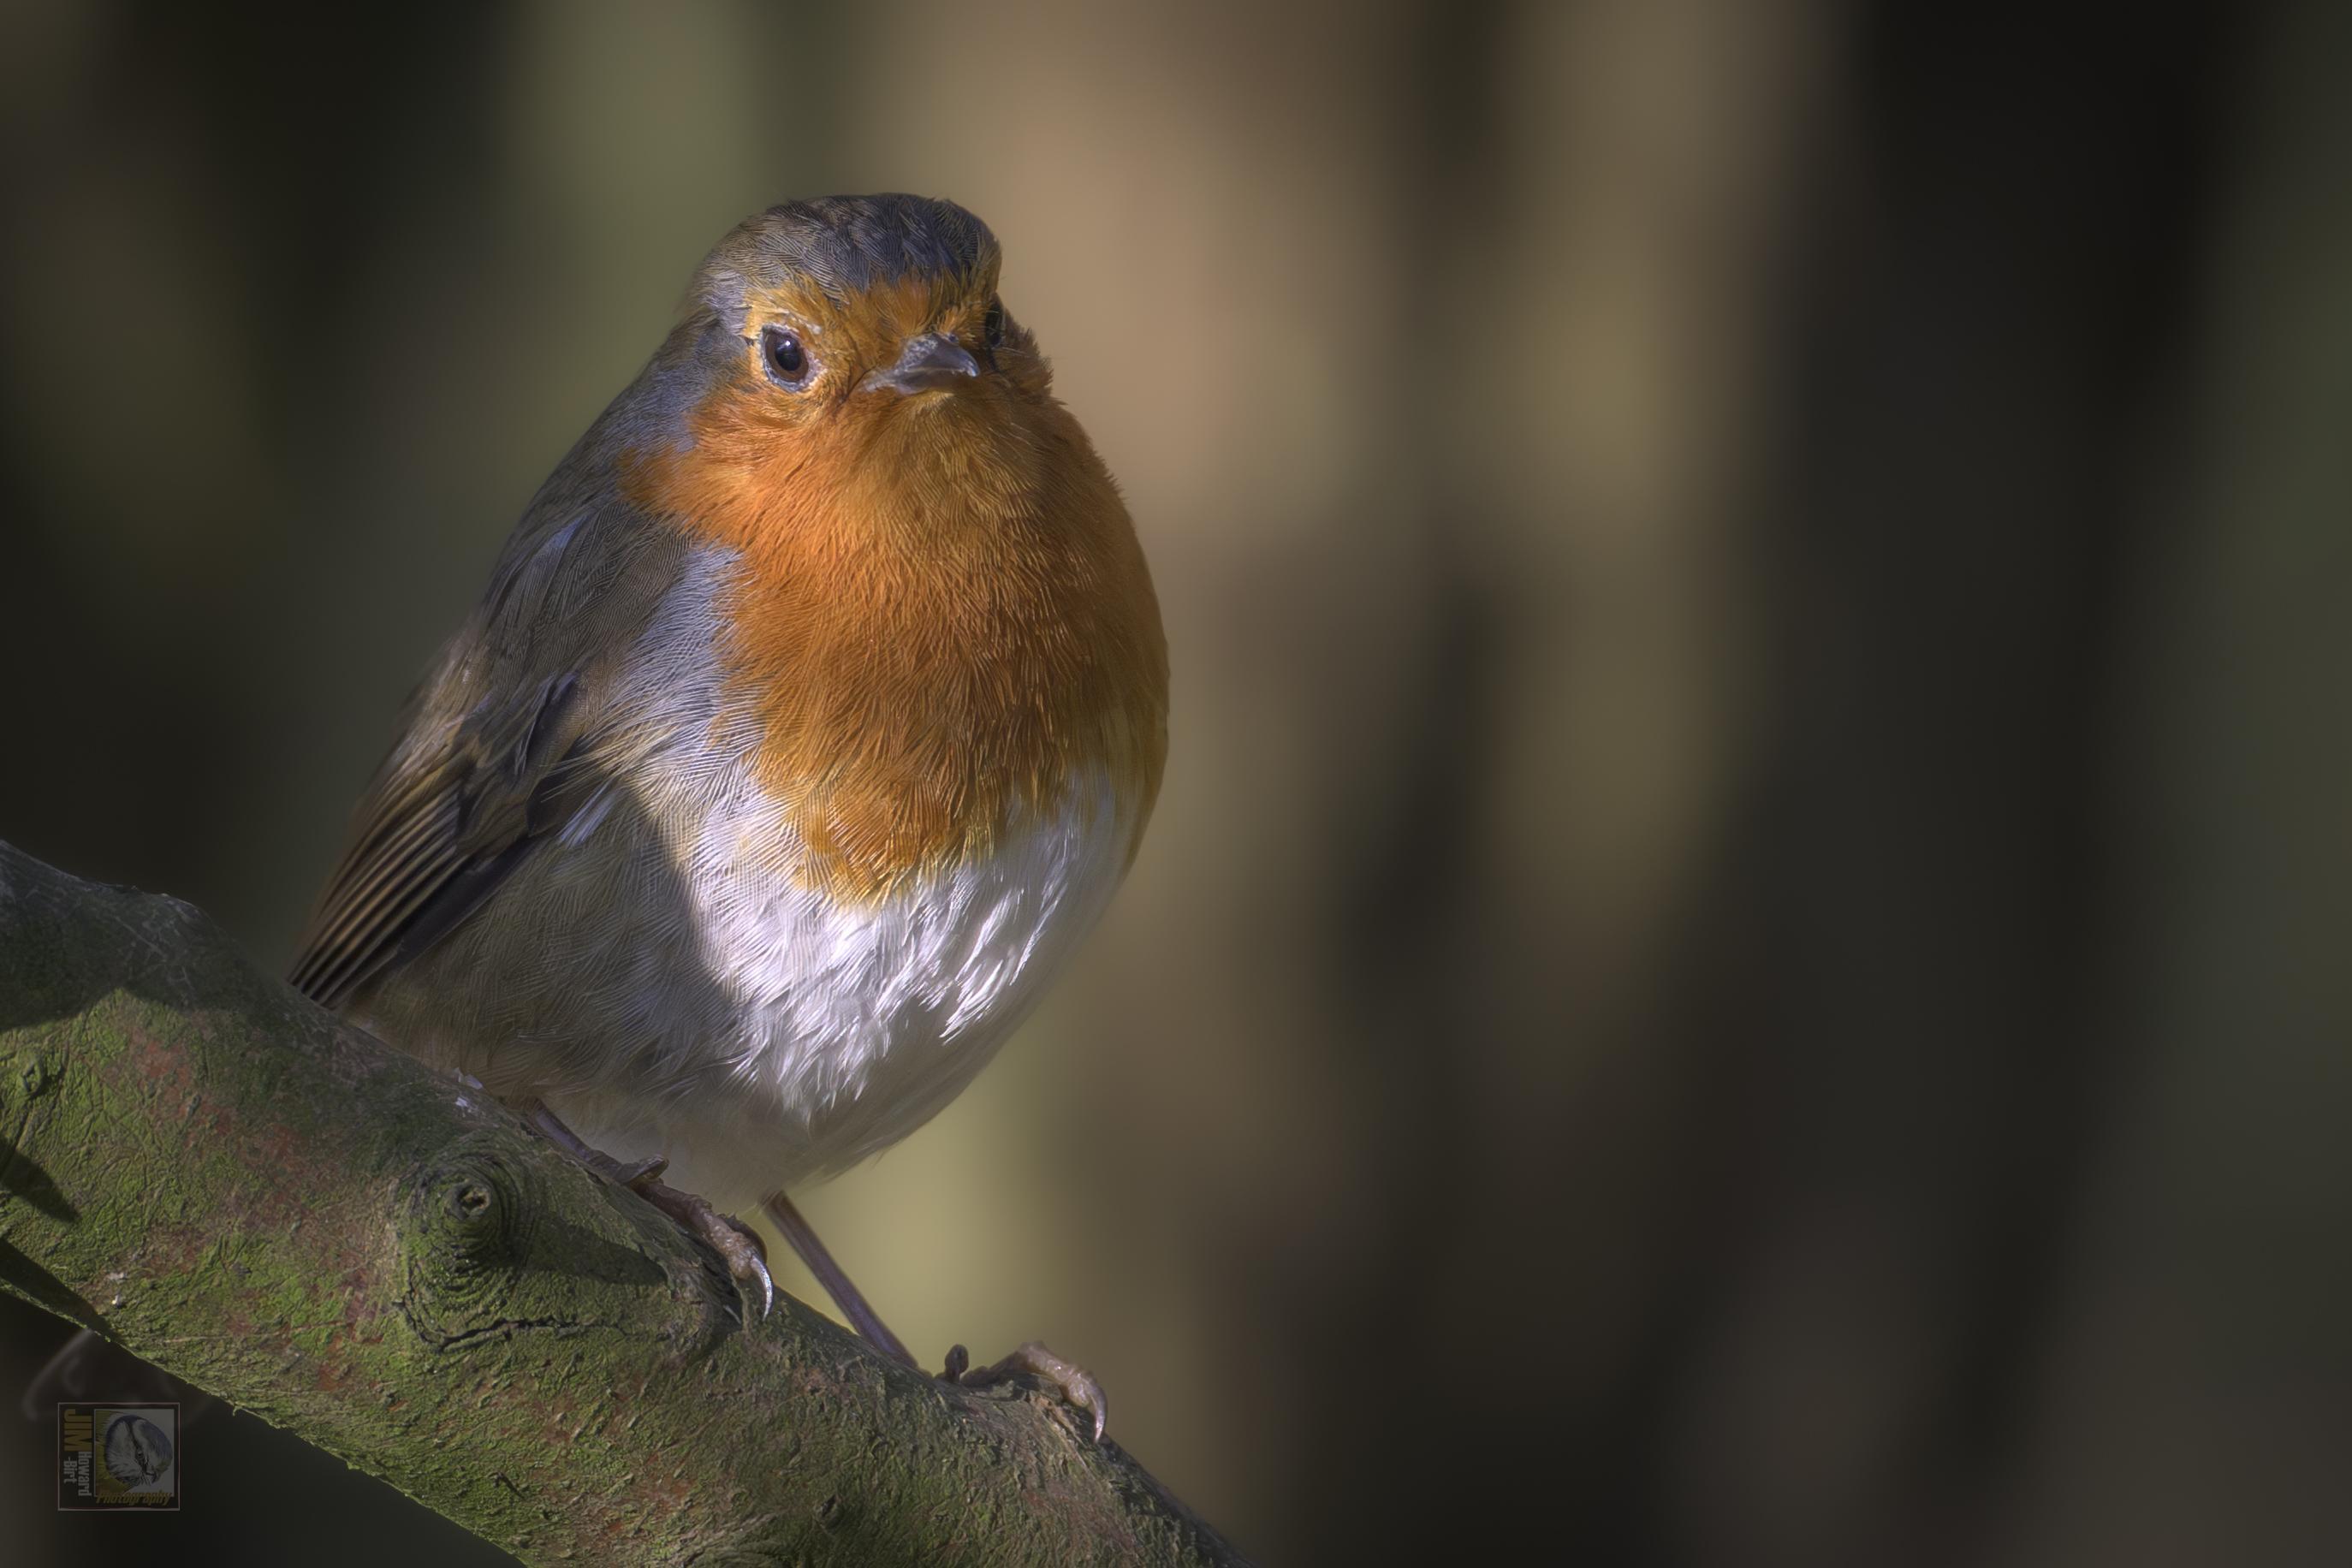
813	714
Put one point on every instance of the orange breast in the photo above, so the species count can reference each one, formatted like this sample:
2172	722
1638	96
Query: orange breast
943	616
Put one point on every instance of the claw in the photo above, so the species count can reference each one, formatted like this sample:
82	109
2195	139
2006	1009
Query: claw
746	1261
1072	1384
767	1288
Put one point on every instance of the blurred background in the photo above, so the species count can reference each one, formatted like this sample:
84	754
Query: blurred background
1742	959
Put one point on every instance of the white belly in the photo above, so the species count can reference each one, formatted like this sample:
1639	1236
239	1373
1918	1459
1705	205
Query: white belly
849	1026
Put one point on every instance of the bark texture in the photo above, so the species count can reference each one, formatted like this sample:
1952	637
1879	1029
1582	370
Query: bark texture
280	1210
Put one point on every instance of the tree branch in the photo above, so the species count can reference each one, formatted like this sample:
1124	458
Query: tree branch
281	1211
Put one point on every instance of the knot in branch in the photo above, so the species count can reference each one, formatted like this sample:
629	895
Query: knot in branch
473	1215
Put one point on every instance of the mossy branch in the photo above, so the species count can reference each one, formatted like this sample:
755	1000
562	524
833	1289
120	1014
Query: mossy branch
280	1211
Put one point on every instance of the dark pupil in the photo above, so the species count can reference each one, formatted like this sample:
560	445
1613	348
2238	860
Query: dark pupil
784	356
994	325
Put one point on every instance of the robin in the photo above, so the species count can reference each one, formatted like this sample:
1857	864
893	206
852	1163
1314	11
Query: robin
813	714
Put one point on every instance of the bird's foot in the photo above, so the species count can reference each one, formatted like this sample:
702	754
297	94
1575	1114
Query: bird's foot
1072	1384
737	1244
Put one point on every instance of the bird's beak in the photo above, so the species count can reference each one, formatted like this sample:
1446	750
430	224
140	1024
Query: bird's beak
930	360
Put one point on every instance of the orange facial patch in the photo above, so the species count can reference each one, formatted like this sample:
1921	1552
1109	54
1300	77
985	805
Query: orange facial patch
943	615
866	334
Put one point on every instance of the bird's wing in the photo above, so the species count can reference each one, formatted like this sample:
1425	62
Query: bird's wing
444	824
498	750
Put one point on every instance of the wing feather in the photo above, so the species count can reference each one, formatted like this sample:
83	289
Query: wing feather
452	833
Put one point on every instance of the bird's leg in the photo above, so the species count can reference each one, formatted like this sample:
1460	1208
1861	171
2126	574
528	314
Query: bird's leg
1072	1383
737	1244
846	1296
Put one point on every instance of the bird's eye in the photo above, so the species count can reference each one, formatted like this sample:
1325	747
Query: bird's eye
788	363
992	324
